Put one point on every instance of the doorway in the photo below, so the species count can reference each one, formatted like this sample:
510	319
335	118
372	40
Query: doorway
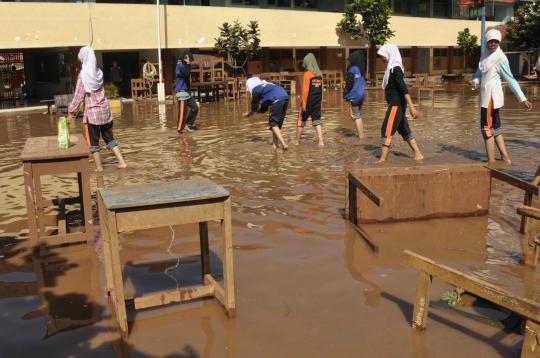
130	68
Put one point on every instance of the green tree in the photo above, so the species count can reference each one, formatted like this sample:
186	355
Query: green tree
238	43
374	24
524	29
468	43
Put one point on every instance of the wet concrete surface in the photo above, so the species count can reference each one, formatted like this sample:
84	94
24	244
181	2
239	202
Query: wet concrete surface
307	284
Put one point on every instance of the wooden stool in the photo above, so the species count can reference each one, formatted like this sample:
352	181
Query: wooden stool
136	207
41	156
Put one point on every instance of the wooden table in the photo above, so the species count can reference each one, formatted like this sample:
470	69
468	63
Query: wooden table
41	156
137	207
208	87
49	103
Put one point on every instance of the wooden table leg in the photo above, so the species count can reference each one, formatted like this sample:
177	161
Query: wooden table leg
105	243
118	282
205	252
228	272
86	208
527	201
30	202
39	203
421	303
531	341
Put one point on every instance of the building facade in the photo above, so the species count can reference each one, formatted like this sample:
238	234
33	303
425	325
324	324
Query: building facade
47	35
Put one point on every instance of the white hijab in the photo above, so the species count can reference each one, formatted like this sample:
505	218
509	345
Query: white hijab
91	76
391	53
490	59
253	82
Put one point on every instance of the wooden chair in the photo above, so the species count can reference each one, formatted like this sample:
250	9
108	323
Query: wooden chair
231	89
139	88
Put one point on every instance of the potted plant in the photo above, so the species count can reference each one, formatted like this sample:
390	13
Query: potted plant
111	92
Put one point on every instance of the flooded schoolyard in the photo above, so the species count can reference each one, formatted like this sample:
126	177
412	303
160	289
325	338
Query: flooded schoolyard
307	284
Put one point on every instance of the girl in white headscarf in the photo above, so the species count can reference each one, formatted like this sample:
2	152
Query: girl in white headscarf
494	65
97	118
397	96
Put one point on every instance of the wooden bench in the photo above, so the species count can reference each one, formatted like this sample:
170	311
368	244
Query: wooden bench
428	269
136	207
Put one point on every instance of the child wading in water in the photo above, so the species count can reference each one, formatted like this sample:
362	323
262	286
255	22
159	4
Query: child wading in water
186	103
311	98
397	96
97	117
266	95
355	87
494	64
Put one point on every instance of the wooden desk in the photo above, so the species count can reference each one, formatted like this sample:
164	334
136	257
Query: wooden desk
41	156
49	103
137	207
208	87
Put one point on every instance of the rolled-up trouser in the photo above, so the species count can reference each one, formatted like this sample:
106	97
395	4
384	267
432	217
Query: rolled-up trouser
93	132
185	106
395	120
490	121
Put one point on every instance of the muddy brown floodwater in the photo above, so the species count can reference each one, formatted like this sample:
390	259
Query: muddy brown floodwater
306	284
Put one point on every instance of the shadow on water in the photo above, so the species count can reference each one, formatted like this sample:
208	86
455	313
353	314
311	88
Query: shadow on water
63	304
523	142
469	154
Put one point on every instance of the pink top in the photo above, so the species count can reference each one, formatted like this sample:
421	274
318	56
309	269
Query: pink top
96	106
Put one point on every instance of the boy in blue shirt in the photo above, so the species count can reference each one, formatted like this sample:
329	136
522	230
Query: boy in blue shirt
266	96
186	103
355	86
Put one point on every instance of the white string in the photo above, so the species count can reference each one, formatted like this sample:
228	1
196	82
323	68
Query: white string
166	272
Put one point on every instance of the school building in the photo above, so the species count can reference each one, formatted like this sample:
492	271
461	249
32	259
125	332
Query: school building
41	39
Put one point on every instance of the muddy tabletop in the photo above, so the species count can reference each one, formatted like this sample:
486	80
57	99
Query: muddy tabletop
307	284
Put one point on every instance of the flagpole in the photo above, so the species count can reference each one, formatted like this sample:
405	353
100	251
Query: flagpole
160	86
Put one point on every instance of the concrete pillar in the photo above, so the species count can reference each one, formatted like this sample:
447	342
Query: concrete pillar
450	59
431	60
414	59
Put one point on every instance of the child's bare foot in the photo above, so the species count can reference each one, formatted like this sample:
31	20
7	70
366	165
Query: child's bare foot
187	129
122	166
507	160
418	157
274	146
381	160
321	144
99	169
285	146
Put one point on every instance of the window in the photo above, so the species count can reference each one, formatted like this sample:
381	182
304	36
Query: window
441	8
279	3
306	4
439	52
245	2
405	52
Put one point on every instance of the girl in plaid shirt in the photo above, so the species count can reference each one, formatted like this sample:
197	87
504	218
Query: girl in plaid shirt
97	116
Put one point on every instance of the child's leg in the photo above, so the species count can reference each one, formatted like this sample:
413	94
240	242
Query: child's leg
277	133
405	131
536	179
497	133
318	129
300	126
275	141
182	113
193	110
92	138
490	149
317	121
389	127
356	115
499	140
359	127
112	144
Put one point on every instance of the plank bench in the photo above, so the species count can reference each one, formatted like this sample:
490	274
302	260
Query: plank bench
428	269
137	207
